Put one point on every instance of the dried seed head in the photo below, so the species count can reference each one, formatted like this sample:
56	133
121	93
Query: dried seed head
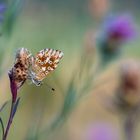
21	66
129	88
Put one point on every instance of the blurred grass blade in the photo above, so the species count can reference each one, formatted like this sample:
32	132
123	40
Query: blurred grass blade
15	107
66	109
2	107
69	100
2	127
13	11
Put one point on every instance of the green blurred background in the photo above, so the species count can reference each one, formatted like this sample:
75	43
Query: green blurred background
63	25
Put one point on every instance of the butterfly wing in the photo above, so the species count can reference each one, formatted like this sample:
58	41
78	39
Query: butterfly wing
21	66
45	62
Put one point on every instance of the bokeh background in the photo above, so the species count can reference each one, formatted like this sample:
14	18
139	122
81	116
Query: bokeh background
66	25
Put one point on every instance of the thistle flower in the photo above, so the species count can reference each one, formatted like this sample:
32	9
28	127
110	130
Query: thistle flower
102	131
120	28
129	87
115	32
127	99
19	72
14	104
17	76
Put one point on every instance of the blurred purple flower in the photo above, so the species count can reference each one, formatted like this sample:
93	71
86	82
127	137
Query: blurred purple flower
2	7
121	28
114	33
102	131
2	10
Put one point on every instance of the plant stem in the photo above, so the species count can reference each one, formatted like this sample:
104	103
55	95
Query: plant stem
129	129
9	121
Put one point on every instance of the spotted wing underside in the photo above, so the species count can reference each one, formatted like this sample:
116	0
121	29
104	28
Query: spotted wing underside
45	62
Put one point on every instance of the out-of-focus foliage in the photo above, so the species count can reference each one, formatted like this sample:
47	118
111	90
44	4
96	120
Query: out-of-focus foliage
13	8
83	81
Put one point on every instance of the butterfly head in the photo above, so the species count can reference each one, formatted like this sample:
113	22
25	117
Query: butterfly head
36	82
32	77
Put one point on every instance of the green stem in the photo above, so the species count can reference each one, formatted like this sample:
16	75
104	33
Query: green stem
2	125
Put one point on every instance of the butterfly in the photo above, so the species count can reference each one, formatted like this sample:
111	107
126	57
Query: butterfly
43	63
35	68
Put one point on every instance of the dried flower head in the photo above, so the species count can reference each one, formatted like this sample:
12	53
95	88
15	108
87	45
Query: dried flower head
128	92
21	66
19	72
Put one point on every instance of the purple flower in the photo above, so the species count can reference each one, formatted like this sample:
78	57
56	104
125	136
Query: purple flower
2	7
121	28
2	10
115	32
102	131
